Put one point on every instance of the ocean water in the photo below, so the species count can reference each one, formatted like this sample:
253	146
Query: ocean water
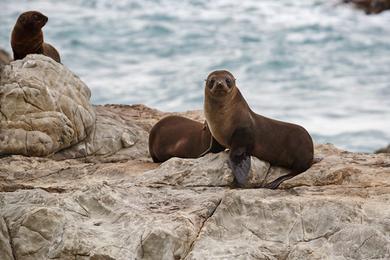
317	63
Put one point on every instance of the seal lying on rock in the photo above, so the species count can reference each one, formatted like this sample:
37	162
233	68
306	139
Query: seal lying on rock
27	37
176	136
235	126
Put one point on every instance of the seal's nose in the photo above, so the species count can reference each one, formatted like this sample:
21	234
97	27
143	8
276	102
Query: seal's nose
219	85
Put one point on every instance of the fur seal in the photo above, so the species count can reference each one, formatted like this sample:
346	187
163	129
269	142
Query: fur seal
27	37
176	136
235	126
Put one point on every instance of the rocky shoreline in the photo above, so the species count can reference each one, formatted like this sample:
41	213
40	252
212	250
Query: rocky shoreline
97	194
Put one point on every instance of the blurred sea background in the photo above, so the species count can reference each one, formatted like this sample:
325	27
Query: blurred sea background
317	63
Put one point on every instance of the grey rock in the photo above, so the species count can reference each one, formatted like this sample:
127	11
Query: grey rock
186	209
5	58
101	197
44	107
107	220
113	138
296	224
5	242
212	170
45	110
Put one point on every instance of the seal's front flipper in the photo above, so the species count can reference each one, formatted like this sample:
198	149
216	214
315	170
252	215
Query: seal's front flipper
240	165
274	184
241	145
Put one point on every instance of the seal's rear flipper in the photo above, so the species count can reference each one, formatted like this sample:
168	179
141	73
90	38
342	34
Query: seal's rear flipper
241	170
274	184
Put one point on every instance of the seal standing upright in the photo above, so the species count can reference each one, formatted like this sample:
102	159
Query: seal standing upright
27	37
176	136
235	126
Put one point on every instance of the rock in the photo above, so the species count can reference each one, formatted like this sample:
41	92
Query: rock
297	224
146	117
371	6
121	133
103	220
44	107
100	197
186	208
384	150
5	242
212	170
114	137
5	58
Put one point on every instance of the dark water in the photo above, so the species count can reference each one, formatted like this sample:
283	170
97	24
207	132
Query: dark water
320	64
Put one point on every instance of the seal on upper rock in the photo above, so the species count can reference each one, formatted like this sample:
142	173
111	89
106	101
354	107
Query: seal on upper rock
235	126
27	37
176	136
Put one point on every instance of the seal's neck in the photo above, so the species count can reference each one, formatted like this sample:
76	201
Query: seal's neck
226	103
221	101
27	40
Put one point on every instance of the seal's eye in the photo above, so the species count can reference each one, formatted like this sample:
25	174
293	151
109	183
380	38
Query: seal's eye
35	17
229	83
210	84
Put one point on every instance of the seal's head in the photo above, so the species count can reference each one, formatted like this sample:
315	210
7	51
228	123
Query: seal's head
32	20
220	83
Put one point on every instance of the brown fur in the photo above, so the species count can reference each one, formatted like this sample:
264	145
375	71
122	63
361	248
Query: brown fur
27	37
176	136
371	6
234	125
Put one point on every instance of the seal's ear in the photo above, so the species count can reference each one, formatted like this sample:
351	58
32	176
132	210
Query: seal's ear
241	145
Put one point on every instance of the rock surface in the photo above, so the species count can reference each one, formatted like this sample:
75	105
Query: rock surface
186	208
102	198
114	137
45	110
44	107
5	58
